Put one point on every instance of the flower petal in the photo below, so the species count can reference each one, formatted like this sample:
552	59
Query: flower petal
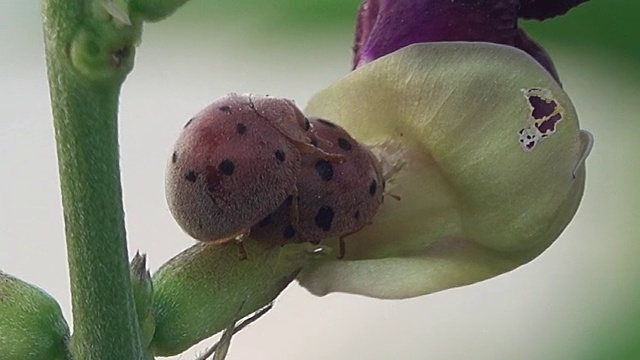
545	9
385	26
524	42
449	263
484	151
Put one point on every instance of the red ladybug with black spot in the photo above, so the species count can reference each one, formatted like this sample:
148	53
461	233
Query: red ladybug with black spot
334	199
234	163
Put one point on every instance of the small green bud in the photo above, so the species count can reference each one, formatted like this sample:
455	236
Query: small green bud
143	297
31	323
198	293
101	51
481	149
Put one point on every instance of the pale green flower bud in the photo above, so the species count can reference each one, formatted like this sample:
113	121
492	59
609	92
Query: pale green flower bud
31	323
481	147
207	287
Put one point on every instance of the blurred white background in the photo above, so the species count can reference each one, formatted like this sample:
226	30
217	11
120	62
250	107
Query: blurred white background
581	295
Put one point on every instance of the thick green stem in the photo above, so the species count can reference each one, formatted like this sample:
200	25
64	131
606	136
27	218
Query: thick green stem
89	54
90	46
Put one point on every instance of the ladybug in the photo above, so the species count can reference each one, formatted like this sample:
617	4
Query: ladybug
334	199
271	111
234	163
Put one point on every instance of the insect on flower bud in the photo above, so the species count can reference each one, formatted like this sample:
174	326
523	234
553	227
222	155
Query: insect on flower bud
234	163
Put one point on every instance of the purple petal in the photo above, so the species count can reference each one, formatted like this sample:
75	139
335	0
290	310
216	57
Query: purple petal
525	43
385	26
544	9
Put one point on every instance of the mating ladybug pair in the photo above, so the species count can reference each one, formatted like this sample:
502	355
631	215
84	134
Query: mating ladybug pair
252	164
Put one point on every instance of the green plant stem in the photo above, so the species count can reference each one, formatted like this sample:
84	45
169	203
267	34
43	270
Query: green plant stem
85	118
90	47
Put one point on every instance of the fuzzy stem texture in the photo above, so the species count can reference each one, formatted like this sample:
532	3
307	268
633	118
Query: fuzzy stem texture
89	52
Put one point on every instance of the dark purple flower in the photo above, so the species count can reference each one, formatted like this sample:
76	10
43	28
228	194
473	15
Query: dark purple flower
385	26
545	9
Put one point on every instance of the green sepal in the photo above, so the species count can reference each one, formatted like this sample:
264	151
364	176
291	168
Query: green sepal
198	293
32	326
142	287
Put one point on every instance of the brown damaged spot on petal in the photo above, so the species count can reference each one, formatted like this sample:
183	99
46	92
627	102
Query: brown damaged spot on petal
549	125
541	107
545	114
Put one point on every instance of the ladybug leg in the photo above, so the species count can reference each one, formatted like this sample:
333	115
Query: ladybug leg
239	240
342	246
393	196
294	208
242	251
341	249
294	213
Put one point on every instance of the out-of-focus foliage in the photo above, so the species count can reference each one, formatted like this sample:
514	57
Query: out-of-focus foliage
274	15
608	26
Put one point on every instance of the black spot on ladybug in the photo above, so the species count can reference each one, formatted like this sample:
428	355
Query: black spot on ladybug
373	186
307	124
344	144
314	142
174	157
326	123
289	232
188	123
357	215
241	128
191	176
280	155
226	167
225	109
324	218
324	169
266	221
